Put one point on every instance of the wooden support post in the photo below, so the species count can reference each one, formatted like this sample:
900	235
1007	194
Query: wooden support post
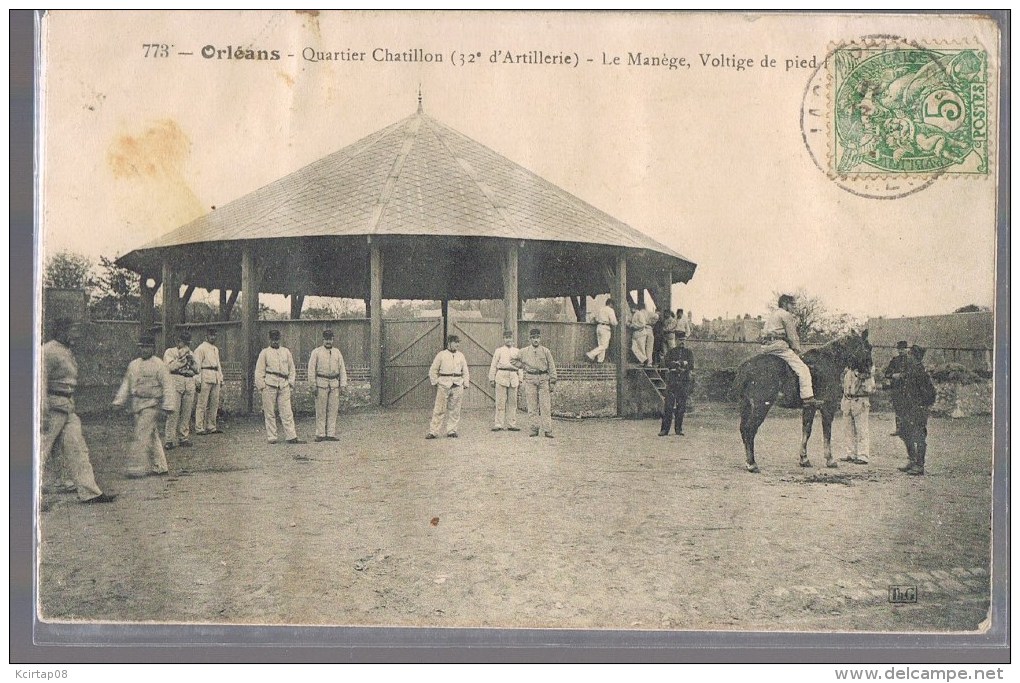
189	291
147	305
249	319
171	304
227	303
665	300
297	302
511	288
641	298
632	298
374	308
619	342
580	306
444	308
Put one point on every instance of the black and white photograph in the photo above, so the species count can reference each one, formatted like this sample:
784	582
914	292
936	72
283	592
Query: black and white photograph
641	322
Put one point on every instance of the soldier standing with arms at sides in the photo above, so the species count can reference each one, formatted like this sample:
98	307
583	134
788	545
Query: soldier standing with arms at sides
913	395
539	382
856	406
61	427
894	373
605	320
274	377
148	386
678	363
208	381
642	341
779	338
180	361
450	376
327	374
505	378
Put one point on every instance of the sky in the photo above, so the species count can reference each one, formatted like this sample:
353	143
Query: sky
708	160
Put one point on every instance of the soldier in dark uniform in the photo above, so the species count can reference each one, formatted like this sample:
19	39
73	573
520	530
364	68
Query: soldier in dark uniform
677	365
894	373
913	395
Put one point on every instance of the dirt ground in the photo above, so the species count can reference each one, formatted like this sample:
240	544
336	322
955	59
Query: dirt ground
605	526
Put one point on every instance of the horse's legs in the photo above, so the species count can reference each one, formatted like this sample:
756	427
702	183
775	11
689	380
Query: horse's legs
752	414
807	420
828	414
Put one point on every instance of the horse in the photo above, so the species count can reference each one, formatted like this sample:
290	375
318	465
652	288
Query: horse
760	379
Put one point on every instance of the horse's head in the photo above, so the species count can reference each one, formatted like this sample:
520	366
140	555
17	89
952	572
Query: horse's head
855	351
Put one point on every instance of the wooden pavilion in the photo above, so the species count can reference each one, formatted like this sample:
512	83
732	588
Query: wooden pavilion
413	211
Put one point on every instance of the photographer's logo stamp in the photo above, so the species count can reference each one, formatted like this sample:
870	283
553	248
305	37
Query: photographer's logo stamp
903	595
909	110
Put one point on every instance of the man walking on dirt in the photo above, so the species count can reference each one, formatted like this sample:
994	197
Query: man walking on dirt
539	383
61	427
148	386
450	376
779	338
274	377
327	374
208	381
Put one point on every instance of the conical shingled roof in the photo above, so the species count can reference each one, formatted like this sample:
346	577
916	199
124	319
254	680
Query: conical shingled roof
415	177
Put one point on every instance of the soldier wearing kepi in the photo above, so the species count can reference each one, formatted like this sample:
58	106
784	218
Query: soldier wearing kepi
450	376
678	363
61	427
180	361
539	382
148	386
328	376
779	338
505	378
208	381
894	373
274	377
913	396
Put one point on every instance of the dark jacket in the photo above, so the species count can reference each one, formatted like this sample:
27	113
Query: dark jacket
914	391
677	365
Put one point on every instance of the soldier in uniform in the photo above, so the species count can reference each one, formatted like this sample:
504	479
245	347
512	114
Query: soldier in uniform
642	341
208	381
148	386
857	388
605	320
678	364
61	428
779	338
505	378
274	377
539	382
450	376
895	371
180	361
328	376
913	395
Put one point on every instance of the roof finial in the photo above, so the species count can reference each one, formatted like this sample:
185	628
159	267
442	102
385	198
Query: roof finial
420	108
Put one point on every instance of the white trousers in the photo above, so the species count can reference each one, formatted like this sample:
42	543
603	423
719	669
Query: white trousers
782	349
855	425
327	407
206	407
447	407
62	437
277	399
604	333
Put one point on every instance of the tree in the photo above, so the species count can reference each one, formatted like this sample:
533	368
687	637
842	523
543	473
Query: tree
972	308
815	323
68	270
117	293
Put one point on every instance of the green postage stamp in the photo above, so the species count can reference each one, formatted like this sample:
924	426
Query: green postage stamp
909	110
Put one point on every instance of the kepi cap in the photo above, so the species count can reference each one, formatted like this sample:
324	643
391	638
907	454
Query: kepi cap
535	332
327	334
902	345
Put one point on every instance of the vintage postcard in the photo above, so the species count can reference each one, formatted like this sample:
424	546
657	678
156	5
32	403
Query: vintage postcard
649	322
